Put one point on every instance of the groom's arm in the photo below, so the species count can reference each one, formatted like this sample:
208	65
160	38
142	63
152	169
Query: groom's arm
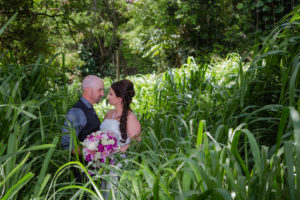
75	120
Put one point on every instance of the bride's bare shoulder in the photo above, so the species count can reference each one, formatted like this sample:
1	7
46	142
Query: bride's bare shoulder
131	116
109	114
133	126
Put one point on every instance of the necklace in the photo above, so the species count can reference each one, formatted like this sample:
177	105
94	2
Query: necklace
115	115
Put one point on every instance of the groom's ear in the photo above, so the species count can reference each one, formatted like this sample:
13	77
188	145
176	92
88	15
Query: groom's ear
87	92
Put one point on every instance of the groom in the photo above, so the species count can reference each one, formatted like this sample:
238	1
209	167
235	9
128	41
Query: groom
82	116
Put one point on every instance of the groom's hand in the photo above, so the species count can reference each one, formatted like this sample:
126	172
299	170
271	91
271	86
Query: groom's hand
78	150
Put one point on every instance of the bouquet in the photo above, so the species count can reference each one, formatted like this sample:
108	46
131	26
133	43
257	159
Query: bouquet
99	145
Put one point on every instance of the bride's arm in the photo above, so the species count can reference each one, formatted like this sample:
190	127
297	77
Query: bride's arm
133	127
133	130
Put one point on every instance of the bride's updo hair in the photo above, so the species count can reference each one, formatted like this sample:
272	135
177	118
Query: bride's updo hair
125	90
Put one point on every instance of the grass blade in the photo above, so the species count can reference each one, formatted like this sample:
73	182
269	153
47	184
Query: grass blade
45	165
283	120
43	185
296	122
8	22
288	147
21	183
15	170
200	134
33	148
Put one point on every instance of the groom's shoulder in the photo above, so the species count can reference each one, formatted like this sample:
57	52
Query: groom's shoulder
75	111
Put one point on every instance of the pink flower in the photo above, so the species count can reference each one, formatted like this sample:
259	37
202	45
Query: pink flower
99	145
111	162
88	158
91	173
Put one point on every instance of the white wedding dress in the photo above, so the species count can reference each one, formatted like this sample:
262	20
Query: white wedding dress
113	126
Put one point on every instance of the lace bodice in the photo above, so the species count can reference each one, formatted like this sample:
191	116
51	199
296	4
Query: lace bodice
113	126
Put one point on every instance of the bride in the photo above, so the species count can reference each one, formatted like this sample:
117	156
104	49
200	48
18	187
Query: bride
121	120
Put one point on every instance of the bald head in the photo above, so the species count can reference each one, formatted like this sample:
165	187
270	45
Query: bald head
92	88
90	81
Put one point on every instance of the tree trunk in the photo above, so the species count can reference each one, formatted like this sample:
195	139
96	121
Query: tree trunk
118	64
101	50
125	67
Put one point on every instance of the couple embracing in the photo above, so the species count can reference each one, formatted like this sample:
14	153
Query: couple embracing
120	121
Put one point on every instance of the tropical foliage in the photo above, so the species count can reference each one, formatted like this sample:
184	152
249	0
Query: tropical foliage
135	36
222	129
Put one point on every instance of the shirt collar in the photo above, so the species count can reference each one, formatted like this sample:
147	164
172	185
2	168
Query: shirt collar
86	102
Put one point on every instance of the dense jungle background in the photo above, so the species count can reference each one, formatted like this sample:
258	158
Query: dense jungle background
217	94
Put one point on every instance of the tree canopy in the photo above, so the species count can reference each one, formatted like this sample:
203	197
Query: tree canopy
136	36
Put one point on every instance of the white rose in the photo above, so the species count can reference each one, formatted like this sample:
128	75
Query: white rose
92	146
108	142
97	156
104	137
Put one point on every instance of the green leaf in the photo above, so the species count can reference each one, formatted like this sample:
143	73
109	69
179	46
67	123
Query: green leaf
255	152
44	183
288	151
155	189
186	181
239	6
7	23
81	188
45	165
279	9
81	167
33	148
235	152
42	127
225	194
20	109
293	79
259	4
296	123
266	18
283	120
15	169
200	134
266	8
155	50
21	183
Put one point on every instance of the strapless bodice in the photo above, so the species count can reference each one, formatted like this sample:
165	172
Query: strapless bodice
113	126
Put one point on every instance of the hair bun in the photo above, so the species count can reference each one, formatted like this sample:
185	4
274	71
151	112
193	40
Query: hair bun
131	93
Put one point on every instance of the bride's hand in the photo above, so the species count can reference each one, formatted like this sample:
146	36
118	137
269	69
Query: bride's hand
138	138
115	151
124	148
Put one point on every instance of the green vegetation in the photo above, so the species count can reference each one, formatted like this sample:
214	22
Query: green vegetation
125	37
222	129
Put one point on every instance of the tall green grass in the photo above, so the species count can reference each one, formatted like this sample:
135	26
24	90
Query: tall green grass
228	129
206	130
206	127
32	99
